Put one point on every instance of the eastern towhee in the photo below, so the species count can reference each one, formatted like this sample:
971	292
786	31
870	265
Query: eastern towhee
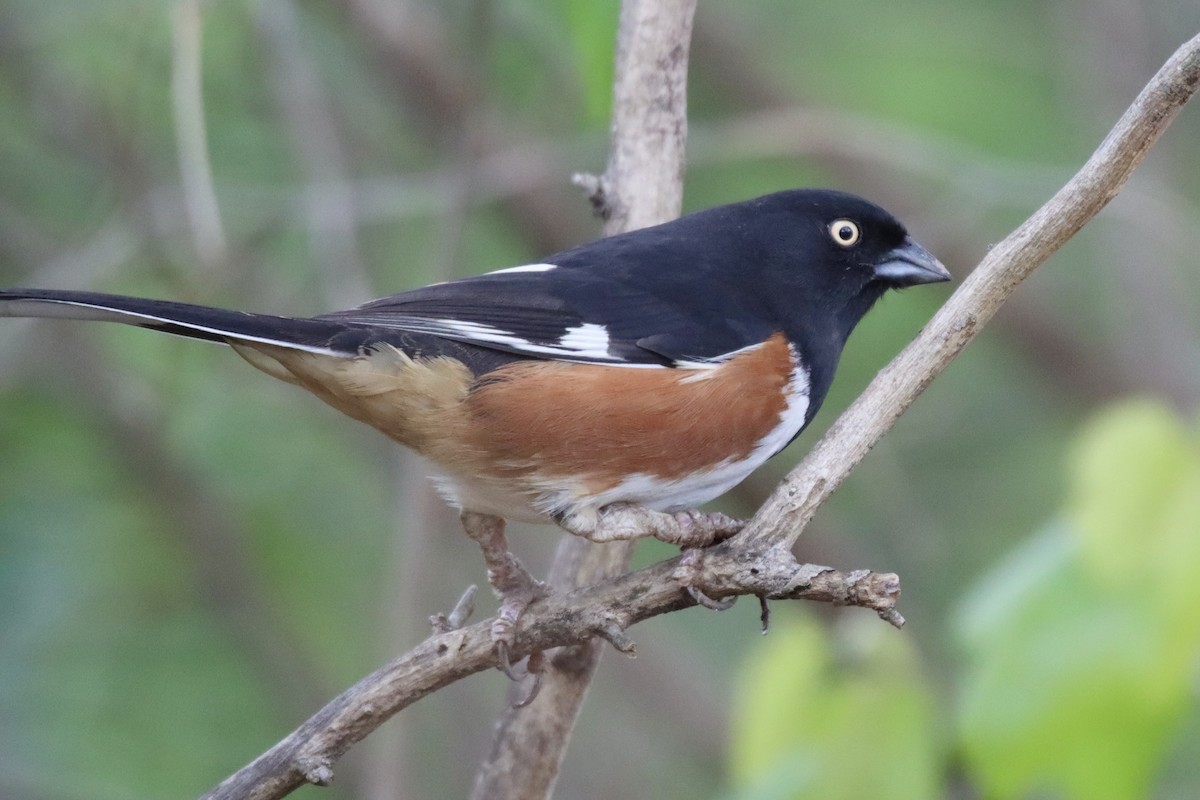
611	389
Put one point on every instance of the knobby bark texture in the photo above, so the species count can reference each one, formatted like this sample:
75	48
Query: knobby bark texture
602	611
757	561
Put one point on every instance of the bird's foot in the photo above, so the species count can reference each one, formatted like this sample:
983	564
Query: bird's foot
621	521
512	583
513	603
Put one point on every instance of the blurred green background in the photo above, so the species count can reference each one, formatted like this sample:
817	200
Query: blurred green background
194	558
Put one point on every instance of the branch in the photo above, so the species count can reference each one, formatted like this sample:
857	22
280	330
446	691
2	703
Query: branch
793	504
757	561
191	136
603	610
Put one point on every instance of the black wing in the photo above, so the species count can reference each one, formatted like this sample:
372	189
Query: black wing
637	300
663	296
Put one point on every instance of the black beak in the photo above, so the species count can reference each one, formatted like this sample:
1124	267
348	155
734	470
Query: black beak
910	264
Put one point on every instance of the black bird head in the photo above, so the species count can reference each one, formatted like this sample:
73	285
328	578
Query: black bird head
826	257
828	238
845	245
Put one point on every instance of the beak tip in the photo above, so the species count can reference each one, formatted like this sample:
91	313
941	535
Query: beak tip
910	264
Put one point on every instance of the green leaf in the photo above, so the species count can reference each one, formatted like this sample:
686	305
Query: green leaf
818	719
1082	645
1136	496
1064	691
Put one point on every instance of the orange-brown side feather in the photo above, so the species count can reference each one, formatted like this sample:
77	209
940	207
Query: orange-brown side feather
528	424
606	422
418	402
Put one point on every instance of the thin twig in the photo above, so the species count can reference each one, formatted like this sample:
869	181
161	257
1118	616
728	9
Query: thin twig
328	195
191	135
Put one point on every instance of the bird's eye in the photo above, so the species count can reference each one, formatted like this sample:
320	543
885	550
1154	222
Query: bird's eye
845	232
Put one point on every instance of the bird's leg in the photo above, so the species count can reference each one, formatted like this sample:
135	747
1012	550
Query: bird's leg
515	587
620	521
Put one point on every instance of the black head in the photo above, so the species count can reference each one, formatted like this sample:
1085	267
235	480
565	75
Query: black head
824	235
828	256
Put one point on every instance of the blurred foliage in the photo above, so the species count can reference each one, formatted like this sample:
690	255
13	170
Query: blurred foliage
1081	654
192	558
847	719
1083	646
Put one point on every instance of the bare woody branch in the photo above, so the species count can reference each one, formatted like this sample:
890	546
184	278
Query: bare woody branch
602	611
757	561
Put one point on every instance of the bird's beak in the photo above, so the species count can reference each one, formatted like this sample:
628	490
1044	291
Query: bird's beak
910	264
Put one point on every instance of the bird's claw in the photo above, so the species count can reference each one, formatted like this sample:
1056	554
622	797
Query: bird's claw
535	665
724	604
687	572
503	655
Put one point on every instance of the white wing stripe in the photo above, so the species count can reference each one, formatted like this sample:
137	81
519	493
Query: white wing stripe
588	342
524	268
589	339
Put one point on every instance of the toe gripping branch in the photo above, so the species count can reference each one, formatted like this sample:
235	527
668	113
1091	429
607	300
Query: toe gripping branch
512	583
712	577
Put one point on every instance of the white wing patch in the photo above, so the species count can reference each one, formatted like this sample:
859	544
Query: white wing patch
524	268
589	340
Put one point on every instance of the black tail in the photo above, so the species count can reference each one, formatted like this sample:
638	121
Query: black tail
185	319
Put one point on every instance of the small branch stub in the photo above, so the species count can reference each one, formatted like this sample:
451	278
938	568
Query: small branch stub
458	616
597	196
318	772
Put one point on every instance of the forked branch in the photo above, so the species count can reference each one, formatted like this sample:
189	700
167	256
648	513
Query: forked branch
757	561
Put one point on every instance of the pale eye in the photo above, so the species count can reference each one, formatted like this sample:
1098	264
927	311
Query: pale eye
845	232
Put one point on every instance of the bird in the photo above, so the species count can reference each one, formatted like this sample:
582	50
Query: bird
612	388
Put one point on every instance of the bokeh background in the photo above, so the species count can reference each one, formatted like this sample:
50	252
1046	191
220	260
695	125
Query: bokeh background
193	558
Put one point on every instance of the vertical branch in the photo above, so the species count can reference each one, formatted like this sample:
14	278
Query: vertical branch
329	200
642	186
199	195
